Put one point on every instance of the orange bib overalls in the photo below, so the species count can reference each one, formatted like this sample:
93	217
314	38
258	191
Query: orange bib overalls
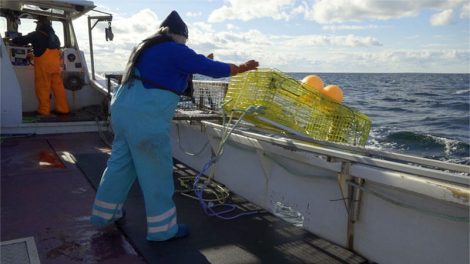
46	78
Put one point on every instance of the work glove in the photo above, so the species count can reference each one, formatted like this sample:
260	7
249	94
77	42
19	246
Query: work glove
247	66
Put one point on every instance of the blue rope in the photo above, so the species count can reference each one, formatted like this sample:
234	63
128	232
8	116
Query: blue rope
210	210
228	208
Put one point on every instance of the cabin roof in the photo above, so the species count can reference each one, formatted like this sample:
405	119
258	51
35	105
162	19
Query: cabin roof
69	9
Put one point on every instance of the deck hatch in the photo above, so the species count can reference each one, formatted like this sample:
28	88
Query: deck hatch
19	251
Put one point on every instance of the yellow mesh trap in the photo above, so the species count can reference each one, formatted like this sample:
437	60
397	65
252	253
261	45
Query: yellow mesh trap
286	104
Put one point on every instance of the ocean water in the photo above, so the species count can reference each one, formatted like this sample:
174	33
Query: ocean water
420	114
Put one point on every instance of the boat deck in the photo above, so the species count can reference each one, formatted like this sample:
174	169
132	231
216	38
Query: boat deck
48	184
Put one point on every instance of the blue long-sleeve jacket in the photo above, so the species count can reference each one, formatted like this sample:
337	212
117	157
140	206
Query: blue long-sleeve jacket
170	64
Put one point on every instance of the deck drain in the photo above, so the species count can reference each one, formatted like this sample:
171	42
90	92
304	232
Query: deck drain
19	251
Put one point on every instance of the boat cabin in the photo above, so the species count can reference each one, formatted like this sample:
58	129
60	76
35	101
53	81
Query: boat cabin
87	100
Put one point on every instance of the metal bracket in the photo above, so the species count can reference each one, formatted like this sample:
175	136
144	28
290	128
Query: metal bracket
353	197
108	18
266	165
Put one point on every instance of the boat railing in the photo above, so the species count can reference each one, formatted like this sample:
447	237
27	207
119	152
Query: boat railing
434	169
206	104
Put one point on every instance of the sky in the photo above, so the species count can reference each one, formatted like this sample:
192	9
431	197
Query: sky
299	36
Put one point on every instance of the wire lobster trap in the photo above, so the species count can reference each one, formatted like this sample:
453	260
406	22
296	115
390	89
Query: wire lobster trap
284	103
207	96
205	103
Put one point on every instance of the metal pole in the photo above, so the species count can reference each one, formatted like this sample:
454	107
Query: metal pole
90	37
92	60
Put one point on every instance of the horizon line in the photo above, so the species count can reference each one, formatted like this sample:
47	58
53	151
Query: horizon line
309	72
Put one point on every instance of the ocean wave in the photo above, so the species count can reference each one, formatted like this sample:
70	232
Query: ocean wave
396	99
390	99
446	121
428	145
465	91
425	94
387	109
398	109
460	106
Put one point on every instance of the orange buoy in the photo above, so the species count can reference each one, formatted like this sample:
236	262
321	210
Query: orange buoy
334	92
313	82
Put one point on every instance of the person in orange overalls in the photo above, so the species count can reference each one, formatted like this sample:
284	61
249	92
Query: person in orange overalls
47	62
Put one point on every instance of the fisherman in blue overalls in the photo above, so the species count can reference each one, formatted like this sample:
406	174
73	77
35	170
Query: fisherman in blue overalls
142	110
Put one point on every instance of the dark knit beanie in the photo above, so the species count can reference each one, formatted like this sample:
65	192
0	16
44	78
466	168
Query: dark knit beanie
176	24
43	21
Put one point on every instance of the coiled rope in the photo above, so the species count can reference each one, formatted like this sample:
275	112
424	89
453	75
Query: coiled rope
202	185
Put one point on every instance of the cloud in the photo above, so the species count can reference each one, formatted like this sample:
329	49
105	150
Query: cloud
333	11
443	18
310	53
275	50
388	61
231	27
347	27
193	14
128	31
412	37
228	43
340	11
347	40
465	12
200	26
247	9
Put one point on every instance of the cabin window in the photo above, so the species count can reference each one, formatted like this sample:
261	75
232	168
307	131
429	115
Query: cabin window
27	25
58	27
3	26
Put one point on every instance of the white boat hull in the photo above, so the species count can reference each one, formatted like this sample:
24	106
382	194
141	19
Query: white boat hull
399	217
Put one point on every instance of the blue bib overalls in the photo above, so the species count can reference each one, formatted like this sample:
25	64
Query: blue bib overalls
141	120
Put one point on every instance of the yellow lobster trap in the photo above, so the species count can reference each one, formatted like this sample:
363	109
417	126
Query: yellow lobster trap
284	103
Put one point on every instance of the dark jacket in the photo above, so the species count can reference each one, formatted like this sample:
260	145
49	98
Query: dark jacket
41	39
